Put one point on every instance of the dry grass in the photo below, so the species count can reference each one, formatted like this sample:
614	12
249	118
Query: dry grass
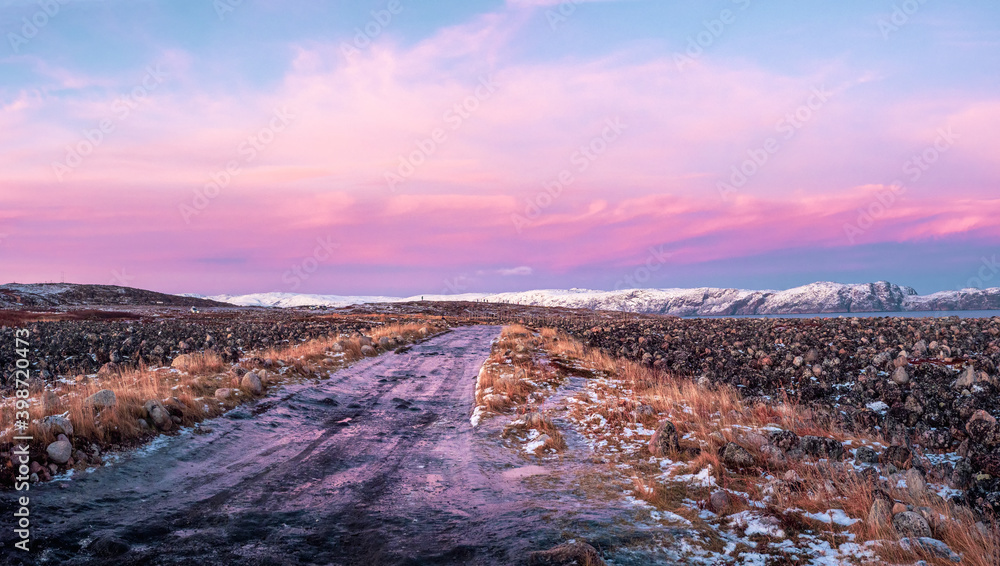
350	346
119	424
521	427
200	363
709	416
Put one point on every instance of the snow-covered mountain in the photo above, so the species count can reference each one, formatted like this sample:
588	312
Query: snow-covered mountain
824	297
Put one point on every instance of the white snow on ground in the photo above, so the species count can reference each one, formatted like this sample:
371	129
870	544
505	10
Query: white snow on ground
834	516
756	524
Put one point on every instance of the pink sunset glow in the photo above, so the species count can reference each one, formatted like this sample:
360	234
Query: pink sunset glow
208	185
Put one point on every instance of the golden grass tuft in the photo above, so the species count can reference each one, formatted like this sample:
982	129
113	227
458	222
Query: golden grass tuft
200	363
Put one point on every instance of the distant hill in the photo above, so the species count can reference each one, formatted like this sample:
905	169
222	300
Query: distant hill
42	295
823	297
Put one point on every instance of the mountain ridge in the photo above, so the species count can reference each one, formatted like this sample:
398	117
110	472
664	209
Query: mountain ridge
814	298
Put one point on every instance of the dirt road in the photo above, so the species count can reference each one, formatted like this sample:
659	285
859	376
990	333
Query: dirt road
377	465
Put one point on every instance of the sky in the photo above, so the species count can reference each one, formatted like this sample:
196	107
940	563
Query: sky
413	146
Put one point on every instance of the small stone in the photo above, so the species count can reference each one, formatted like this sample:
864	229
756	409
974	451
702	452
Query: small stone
102	399
719	502
735	456
784	439
158	414
866	455
900	376
916	485
367	350
58	424
965	380
911	524
60	451
183	361
644	411
223	393
983	429
880	514
898	508
898	456
773	454
108	370
252	384
664	440
569	554
822	447
929	545
107	546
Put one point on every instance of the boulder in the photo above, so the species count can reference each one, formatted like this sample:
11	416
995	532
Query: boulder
916	485
911	524
880	514
734	456
784	439
720	501
107	546
60	451
900	376
569	554
223	393
898	456
102	399
822	447
158	414
965	380
865	455
983	429
664	440
930	546
108	370
367	350
58	424
252	384
182	362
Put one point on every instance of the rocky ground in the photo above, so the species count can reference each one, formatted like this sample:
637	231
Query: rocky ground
725	479
926	385
921	393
